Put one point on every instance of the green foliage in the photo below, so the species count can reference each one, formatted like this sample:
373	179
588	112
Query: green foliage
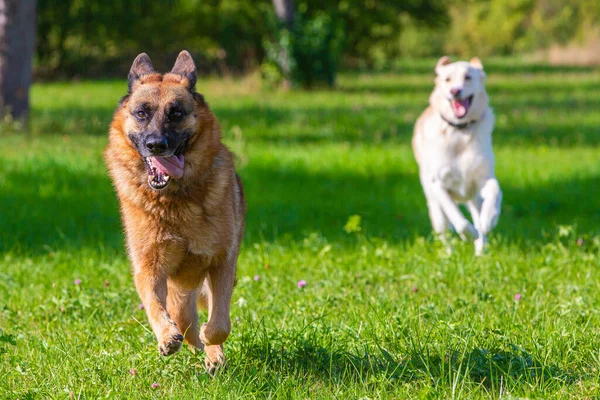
98	37
385	312
309	50
316	49
417	40
240	32
353	224
560	22
486	27
365	33
272	76
371	29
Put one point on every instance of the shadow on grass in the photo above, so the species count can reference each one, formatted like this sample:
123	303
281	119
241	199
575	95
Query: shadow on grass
393	206
491	368
530	214
79	209
360	124
57	210
73	210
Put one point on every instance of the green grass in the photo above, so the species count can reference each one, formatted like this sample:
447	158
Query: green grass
385	313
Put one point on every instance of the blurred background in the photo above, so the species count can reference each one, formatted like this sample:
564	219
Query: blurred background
91	38
302	43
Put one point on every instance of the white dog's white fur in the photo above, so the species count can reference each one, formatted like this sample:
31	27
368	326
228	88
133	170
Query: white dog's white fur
452	143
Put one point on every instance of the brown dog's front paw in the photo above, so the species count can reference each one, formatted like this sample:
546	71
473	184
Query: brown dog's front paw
211	334
170	343
215	359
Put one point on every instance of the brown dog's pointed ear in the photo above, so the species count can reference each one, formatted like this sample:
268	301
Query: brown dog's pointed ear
441	62
141	66
476	62
184	65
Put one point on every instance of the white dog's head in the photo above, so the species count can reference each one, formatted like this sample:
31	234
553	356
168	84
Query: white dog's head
459	94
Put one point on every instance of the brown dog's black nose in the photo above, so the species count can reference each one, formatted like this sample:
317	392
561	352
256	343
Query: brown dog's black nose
157	144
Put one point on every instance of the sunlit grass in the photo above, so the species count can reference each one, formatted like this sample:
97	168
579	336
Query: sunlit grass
385	313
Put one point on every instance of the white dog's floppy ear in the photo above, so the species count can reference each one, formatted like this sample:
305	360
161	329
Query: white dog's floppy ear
442	61
476	62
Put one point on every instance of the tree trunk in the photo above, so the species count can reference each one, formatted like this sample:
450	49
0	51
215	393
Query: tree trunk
284	9
17	45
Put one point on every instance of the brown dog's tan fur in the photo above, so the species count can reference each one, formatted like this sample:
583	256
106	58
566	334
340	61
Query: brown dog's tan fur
183	241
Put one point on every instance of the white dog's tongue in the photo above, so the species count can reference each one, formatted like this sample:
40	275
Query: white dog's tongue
172	166
460	107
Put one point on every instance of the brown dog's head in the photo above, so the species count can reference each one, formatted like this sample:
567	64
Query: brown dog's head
161	116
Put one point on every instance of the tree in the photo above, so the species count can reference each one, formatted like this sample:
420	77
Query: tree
306	48
315	36
284	9
17	41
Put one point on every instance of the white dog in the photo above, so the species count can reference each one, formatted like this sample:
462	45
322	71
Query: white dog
452	143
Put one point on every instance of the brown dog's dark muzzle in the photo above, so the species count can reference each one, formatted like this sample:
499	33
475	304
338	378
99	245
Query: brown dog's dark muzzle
156	145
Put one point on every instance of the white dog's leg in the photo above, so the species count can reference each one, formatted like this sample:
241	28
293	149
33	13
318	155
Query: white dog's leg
490	209
462	226
475	210
439	222
438	218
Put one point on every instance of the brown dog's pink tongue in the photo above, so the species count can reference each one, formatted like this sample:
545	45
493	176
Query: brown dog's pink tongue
172	166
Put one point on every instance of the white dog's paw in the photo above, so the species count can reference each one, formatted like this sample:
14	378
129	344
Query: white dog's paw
448	249
490	209
480	246
467	231
488	220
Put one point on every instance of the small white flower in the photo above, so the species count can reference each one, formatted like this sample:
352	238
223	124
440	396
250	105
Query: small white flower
241	302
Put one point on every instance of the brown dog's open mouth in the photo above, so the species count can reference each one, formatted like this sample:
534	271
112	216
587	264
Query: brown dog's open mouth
461	106
161	169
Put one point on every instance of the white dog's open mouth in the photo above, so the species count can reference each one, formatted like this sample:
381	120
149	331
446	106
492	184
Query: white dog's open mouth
461	106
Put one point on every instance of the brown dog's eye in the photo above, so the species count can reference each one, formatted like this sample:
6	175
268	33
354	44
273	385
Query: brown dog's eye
175	115
467	77
141	115
448	79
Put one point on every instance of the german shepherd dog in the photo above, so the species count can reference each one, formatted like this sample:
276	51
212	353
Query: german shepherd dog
182	206
452	143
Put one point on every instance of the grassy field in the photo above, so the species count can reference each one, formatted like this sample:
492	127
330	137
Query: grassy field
384	313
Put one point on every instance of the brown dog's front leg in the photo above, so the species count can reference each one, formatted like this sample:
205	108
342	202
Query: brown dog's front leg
181	306
221	280
152	289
